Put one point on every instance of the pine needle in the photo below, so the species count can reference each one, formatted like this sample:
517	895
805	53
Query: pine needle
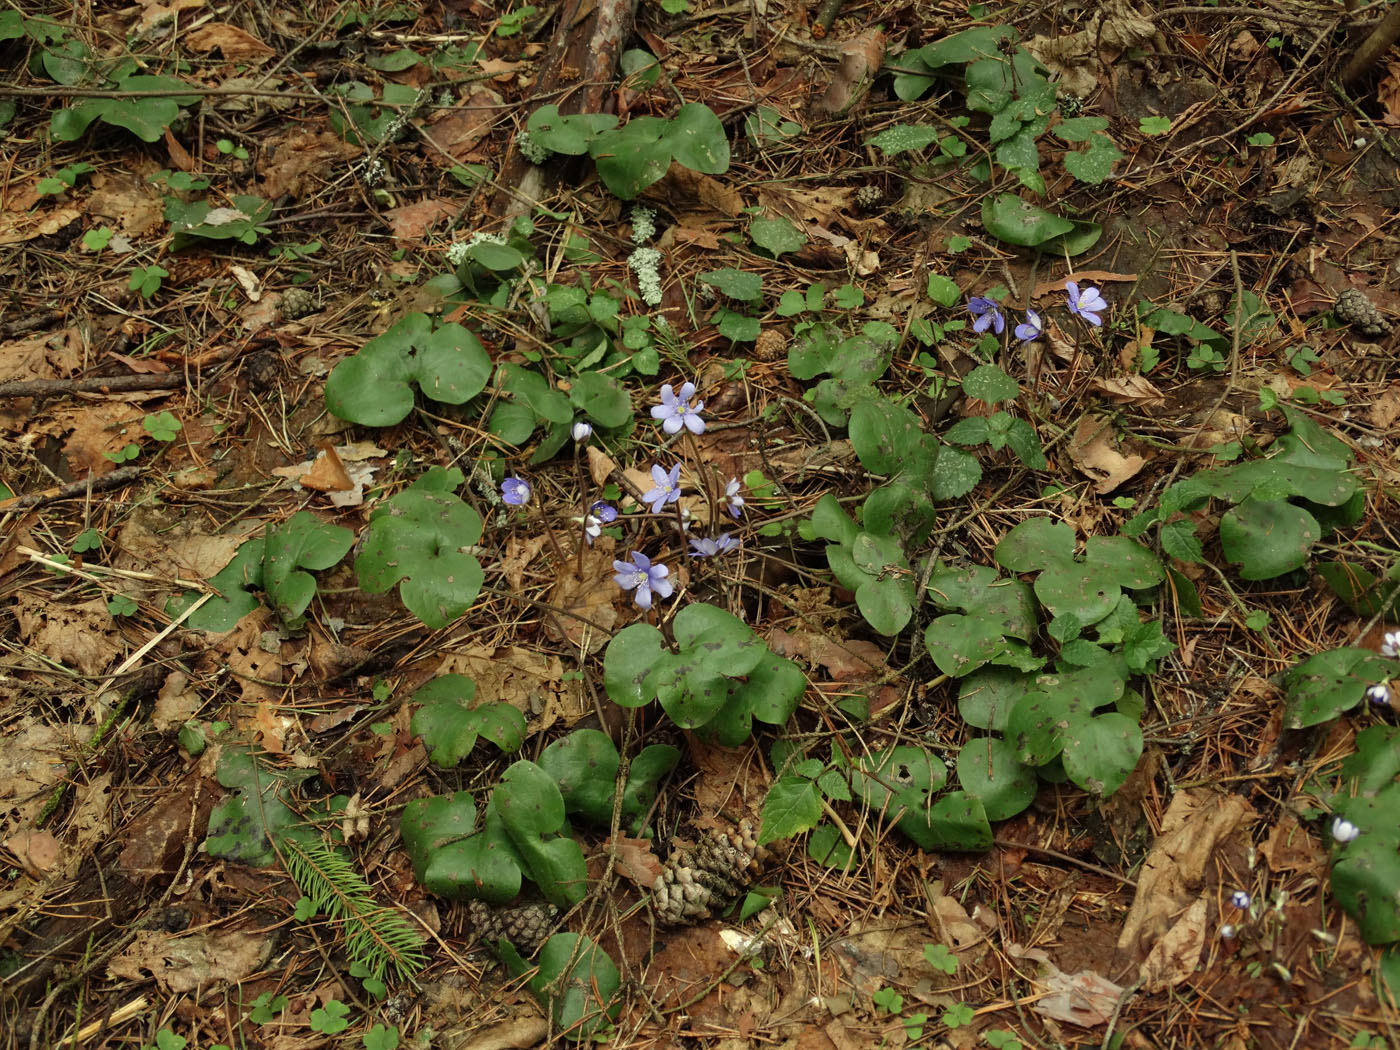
375	936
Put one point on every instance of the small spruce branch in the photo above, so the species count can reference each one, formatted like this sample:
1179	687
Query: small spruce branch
375	935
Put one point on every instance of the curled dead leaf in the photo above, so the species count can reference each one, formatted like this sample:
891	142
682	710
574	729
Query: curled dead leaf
1093	449
861	59
1130	390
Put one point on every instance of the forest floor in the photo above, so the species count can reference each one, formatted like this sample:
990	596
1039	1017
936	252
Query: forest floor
182	275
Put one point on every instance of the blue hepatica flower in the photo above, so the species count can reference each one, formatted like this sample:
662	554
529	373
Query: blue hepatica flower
643	578
604	512
581	431
1031	329
1379	694
1240	899
515	491
666	487
733	502
676	411
708	548
1086	304
987	313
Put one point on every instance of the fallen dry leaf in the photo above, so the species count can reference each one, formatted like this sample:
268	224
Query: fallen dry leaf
861	59
635	860
327	473
1184	860
1177	953
33	760
182	964
37	851
520	552
18	227
314	473
155	840
236	45
682	184
1131	390
530	681
1385	409
586	598
176	703
458	131
410	223
78	636
1086	998
297	162
1081	278
1092	449
854	660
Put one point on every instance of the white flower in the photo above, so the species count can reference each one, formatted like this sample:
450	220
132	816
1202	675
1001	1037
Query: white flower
734	502
457	253
1391	646
581	431
1379	694
1240	899
1227	932
1344	830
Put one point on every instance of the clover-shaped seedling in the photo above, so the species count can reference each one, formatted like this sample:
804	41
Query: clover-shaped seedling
902	781
585	763
145	115
987	697
1366	873
872	565
719	679
243	826
303	542
1090	588
532	810
569	135
273	564
375	386
450	725
452	858
577	982
1330	683
992	612
1057	720
233	586
199	220
417	538
990	769
634	156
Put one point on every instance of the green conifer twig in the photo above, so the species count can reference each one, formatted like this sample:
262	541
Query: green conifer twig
375	935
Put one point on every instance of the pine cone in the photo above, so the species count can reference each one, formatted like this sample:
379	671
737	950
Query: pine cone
297	303
869	197
709	877
1360	314
527	926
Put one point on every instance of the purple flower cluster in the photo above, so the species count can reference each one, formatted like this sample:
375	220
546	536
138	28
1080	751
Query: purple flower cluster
1087	303
648	580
